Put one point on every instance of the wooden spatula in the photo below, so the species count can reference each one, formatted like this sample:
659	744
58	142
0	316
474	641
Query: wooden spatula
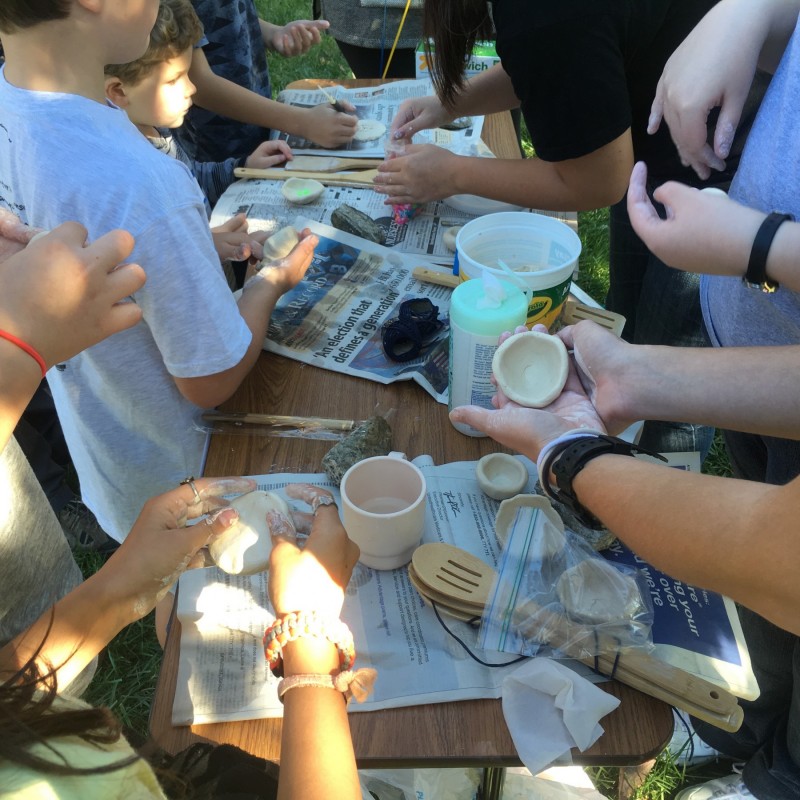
462	613
467	581
454	574
329	163
574	312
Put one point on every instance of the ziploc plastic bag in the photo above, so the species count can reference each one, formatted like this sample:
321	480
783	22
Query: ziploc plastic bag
554	595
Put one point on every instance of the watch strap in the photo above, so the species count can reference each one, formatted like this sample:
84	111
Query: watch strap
756	275
574	456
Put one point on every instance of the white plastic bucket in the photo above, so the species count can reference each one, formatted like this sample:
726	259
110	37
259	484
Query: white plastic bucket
522	239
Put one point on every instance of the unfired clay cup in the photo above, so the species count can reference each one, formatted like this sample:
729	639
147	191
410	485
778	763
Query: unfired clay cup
383	509
531	368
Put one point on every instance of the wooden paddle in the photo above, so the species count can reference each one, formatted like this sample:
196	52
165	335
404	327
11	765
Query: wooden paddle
329	163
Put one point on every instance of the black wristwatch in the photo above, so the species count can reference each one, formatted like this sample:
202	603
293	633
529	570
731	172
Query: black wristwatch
756	275
574	457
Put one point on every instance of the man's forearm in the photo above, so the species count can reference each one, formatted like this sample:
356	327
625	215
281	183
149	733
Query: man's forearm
751	389
738	538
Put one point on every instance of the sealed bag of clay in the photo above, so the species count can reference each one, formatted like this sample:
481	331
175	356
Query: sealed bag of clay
554	595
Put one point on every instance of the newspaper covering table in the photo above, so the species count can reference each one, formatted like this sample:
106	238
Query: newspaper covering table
379	103
333	317
223	676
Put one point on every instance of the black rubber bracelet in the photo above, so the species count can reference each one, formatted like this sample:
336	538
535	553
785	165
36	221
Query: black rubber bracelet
756	275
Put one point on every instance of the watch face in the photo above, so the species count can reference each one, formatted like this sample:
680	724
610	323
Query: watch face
419	309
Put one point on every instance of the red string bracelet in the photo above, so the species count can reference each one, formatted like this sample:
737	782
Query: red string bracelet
33	353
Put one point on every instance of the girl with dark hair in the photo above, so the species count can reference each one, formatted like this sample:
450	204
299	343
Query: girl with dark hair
584	73
59	297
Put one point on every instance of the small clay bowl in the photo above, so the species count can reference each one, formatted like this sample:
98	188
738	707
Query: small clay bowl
301	191
531	368
501	476
508	512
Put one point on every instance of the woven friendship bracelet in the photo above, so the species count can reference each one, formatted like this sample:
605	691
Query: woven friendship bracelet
298	624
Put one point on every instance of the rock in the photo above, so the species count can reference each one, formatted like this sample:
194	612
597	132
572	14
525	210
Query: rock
373	437
351	220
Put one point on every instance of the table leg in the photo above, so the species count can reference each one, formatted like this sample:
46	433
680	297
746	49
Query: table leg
492	783
631	778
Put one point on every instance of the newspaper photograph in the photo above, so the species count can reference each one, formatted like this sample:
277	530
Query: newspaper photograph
378	105
223	674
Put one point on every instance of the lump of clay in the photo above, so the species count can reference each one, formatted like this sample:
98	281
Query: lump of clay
449	237
245	547
301	191
595	592
368	129
501	476
531	368
280	244
372	437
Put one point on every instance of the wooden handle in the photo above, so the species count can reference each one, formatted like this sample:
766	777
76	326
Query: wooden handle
434	276
277	421
642	671
358	179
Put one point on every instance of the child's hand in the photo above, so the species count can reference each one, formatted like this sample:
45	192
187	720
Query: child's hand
233	242
285	274
328	127
269	154
295	38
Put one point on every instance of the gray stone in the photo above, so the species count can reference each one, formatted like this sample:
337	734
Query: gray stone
373	437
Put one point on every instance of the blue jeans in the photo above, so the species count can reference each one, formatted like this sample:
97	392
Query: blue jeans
769	740
661	306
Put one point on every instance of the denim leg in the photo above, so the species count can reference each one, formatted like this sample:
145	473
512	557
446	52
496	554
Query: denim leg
662	307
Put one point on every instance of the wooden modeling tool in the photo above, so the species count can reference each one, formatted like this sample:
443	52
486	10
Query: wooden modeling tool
360	179
329	163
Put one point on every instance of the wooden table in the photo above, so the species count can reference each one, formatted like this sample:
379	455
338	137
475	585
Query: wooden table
470	733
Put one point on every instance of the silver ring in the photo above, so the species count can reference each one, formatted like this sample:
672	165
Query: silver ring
190	482
321	500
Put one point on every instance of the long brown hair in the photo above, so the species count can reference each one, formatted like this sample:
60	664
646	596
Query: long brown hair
453	27
27	718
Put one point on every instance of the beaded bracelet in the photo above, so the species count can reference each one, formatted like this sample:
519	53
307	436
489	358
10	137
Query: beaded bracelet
26	348
297	624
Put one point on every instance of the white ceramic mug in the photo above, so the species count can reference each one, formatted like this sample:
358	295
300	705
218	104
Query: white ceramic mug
383	508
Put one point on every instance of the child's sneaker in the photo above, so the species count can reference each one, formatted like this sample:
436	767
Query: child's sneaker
686	747
728	788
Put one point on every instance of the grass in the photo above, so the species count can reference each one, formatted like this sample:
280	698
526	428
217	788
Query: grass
128	669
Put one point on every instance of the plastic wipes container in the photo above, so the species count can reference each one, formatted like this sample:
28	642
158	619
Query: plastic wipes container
542	251
480	311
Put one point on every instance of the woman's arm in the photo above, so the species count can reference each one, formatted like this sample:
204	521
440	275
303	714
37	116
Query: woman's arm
316	748
128	586
714	67
592	181
709	234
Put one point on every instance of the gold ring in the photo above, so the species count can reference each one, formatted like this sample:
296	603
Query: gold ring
190	482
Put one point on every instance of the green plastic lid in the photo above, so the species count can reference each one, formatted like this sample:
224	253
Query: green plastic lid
467	311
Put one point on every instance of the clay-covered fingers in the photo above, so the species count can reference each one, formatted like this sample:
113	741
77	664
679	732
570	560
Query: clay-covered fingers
281	527
202	496
289	271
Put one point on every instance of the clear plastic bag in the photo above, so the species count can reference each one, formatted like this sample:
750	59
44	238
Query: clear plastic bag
554	595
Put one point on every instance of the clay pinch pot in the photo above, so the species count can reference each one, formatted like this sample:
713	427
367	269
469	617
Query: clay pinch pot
501	476
531	368
507	513
301	191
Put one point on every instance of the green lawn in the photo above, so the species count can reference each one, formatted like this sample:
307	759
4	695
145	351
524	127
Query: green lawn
125	680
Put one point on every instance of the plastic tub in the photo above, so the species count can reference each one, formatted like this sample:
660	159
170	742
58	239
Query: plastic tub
542	251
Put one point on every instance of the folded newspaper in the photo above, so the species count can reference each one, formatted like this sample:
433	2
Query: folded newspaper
223	675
